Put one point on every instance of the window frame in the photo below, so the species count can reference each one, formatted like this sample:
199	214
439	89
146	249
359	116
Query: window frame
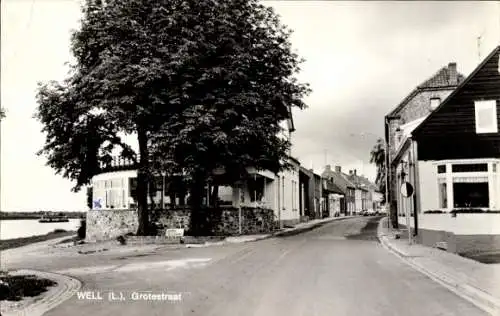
483	105
433	99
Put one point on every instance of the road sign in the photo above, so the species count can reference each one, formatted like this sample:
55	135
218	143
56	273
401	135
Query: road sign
407	189
174	232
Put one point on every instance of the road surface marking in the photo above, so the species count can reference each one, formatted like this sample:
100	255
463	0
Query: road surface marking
168	265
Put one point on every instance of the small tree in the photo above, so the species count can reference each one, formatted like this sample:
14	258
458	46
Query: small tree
377	157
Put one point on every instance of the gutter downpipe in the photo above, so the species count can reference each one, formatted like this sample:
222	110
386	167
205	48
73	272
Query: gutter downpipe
416	206
387	167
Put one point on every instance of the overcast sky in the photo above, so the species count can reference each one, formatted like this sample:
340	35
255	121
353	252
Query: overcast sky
362	58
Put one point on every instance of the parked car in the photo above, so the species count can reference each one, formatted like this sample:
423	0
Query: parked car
370	213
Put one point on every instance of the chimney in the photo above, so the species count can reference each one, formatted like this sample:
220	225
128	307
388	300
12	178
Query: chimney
354	171
452	73
338	169
350	172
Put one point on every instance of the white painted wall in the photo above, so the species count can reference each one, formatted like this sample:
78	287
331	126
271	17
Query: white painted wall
99	190
289	195
428	185
463	224
358	200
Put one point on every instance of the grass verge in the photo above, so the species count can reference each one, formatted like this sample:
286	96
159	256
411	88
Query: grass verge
19	242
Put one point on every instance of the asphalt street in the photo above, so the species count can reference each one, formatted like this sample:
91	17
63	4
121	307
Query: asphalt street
337	269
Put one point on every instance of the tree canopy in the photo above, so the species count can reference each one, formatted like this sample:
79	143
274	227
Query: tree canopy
377	157
203	84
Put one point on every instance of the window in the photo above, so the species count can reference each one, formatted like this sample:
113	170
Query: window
283	191
471	194
442	169
486	117
133	188
435	103
480	167
443	197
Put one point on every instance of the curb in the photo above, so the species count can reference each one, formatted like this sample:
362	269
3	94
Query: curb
66	288
296	231
474	295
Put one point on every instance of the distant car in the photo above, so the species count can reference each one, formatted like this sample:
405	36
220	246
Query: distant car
370	213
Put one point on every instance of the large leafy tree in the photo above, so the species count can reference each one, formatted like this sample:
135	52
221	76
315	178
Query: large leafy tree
202	83
238	86
377	157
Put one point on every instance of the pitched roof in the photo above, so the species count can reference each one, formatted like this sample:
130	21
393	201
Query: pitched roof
357	181
332	187
444	78
462	84
339	179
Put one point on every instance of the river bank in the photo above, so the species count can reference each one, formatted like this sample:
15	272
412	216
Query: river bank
19	242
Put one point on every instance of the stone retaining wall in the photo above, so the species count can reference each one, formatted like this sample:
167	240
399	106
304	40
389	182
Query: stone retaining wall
109	224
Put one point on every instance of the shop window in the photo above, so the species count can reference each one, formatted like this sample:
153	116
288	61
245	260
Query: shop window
256	189
471	194
480	167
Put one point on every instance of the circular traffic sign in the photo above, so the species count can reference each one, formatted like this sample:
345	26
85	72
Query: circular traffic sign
407	189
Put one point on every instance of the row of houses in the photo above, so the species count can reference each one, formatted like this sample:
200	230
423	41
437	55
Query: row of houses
294	195
443	139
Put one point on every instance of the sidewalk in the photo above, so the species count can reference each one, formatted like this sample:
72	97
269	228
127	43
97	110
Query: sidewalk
472	280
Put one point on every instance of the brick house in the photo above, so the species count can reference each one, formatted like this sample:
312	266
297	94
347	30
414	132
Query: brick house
347	202
417	105
452	159
332	197
310	193
365	193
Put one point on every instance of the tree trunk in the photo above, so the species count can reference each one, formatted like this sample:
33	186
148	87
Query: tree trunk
195	202
142	183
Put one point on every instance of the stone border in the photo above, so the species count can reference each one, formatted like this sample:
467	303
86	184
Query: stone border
474	295
66	287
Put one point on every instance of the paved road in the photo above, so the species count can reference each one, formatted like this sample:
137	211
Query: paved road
338	269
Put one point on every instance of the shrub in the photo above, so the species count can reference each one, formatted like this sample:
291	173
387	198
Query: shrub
14	288
82	229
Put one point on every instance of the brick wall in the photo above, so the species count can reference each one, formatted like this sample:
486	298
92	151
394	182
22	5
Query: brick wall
109	224
415	108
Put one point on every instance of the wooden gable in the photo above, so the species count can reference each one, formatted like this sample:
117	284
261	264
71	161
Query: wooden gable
450	131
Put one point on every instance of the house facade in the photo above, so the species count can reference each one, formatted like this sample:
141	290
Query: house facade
452	159
412	110
361	193
332	198
340	180
310	194
115	189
